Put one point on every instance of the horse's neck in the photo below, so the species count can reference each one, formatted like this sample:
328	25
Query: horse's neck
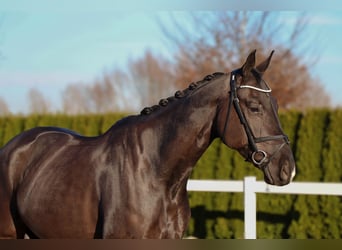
182	137
170	140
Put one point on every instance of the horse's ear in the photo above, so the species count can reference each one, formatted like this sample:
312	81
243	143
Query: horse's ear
249	64
264	65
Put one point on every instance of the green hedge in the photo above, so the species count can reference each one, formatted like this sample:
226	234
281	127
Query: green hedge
316	140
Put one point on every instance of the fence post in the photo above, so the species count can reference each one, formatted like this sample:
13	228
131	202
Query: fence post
250	207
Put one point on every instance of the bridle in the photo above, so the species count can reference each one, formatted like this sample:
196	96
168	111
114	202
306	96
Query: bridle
252	140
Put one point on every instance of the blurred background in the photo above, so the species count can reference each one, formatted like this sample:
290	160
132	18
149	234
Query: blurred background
83	61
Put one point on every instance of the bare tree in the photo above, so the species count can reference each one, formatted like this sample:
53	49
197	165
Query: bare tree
102	95
124	90
105	94
75	99
204	43
4	110
145	81
37	102
151	77
109	93
219	41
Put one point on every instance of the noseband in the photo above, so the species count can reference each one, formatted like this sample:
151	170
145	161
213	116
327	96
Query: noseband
252	140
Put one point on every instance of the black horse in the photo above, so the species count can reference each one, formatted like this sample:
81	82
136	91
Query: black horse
131	181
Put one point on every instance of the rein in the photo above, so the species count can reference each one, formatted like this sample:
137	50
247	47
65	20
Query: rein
252	140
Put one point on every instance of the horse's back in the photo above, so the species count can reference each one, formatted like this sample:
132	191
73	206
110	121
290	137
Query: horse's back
13	163
19	151
47	173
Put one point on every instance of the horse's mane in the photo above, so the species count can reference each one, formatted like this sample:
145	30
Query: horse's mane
181	93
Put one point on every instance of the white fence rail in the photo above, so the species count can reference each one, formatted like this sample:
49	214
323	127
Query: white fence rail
250	187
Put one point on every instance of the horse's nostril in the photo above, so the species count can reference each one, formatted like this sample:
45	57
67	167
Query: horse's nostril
285	171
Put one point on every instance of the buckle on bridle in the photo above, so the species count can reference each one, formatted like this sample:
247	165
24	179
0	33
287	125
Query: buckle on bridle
263	159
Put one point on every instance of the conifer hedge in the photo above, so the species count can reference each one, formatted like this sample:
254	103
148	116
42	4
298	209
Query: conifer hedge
316	140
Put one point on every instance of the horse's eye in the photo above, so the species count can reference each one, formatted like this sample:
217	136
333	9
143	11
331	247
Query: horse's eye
255	107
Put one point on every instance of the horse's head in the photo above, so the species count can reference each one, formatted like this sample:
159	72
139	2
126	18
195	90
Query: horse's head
248	122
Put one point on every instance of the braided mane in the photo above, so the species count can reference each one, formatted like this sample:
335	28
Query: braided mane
181	93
